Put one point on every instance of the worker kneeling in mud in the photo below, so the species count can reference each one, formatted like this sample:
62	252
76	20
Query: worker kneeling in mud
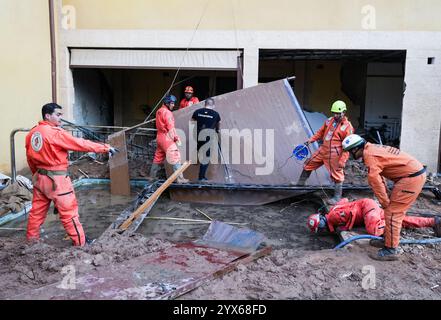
47	146
331	154
365	212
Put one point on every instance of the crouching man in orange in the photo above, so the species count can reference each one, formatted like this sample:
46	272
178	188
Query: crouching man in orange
167	140
408	175
366	212
47	147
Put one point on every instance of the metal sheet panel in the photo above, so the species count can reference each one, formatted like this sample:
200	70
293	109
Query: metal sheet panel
266	108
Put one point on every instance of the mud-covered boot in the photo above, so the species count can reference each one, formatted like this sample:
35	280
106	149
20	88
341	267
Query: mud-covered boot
154	171
386	254
377	243
437	227
180	178
303	177
337	194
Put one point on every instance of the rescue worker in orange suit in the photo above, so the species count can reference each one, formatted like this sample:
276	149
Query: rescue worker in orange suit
408	175
330	153
189	99
366	212
47	147
167	140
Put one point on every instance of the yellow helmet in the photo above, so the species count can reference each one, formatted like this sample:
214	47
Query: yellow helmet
338	107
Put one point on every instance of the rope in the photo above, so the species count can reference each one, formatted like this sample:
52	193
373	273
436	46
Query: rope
180	65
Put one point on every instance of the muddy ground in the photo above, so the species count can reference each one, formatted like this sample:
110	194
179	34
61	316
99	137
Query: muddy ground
301	266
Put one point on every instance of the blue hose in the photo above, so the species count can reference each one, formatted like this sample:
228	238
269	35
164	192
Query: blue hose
405	241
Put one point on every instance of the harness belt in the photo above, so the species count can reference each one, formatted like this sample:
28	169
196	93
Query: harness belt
50	174
416	174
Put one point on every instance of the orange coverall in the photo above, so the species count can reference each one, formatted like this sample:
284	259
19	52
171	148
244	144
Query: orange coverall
46	150
186	103
166	137
331	152
408	175
367	212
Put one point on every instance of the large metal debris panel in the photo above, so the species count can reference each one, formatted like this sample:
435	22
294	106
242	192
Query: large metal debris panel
270	108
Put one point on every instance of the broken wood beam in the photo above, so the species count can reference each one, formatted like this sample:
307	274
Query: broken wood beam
154	196
192	220
179	291
202	212
119	166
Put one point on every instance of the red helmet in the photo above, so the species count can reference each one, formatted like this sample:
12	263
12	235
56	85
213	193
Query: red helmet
314	222
188	89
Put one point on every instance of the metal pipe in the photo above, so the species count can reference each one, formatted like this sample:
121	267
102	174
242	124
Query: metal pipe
12	146
53	51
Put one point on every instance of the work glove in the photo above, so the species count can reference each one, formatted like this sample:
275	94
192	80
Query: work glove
341	164
112	151
179	143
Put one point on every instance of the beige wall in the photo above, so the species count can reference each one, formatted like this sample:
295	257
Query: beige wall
25	81
394	15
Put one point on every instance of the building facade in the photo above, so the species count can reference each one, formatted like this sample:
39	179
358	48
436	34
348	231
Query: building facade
115	59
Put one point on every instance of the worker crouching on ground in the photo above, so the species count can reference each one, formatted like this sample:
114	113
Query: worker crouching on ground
167	140
331	154
47	147
366	212
189	99
207	122
408	175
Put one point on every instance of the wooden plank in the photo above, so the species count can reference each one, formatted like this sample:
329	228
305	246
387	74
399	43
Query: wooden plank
119	166
219	273
153	197
163	274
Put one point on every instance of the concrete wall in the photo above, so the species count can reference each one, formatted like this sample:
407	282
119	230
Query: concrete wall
396	15
25	81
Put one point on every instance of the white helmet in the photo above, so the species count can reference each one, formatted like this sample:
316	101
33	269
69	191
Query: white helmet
352	141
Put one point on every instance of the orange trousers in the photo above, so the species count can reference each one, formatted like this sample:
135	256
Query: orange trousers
166	149
404	194
64	200
323	156
375	223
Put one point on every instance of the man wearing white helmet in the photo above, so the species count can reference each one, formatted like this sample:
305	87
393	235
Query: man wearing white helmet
408	175
332	133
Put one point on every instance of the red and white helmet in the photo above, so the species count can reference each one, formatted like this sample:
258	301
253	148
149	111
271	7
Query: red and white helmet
314	222
188	89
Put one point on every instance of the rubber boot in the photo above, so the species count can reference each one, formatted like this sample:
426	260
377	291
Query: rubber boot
303	177
180	178
337	194
386	254
154	171
377	243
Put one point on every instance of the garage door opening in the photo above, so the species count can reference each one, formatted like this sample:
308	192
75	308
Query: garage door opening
124	97
120	87
371	82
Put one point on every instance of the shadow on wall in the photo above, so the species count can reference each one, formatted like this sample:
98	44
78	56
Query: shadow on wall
93	98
